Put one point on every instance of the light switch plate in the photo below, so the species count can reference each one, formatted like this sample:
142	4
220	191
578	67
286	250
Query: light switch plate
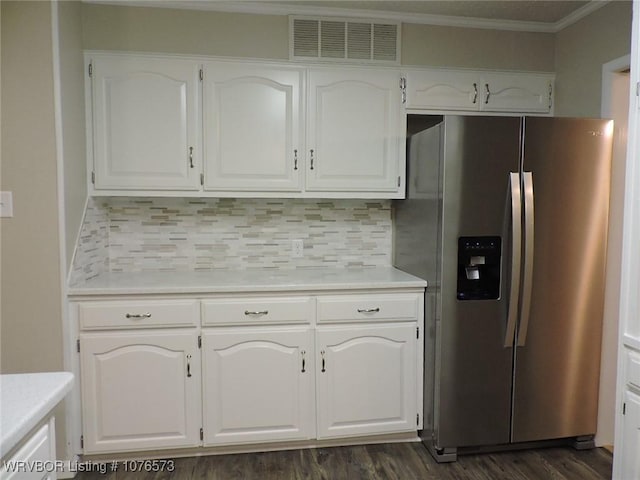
6	204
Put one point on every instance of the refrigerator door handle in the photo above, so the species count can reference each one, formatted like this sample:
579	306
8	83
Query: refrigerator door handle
527	278
516	254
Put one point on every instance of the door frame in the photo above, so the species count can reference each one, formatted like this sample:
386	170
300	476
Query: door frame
608	363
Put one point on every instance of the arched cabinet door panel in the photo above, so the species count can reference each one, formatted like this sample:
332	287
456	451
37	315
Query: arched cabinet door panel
253	124
140	391
355	134
366	379
258	385
146	123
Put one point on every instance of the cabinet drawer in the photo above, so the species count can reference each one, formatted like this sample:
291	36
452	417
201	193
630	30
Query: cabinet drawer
138	314
632	368
257	311
367	308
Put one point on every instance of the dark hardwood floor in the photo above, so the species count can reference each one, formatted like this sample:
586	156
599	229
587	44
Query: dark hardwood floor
399	461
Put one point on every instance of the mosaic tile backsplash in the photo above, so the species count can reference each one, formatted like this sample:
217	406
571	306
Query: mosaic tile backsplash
123	234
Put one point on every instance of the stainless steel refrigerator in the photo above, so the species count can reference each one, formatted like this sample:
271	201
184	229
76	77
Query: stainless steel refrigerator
506	218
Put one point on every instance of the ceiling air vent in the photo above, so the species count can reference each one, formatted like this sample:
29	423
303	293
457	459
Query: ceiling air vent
344	40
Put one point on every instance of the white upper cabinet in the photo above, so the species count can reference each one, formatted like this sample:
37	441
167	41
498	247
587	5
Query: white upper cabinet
175	126
355	135
467	90
146	123
252	127
442	89
511	92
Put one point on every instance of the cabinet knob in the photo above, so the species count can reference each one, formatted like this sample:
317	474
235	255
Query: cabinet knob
487	93
303	353
322	356
188	366
475	93
191	157
295	159
311	158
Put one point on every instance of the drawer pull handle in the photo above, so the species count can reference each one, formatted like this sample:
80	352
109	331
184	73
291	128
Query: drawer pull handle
188	366
138	315
322	355
303	353
262	312
369	310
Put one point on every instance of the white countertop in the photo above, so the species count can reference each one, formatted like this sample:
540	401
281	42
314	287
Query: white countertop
239	281
25	399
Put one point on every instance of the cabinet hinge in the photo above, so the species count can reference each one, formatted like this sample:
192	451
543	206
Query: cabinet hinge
81	441
418	332
202	179
78	345
201	74
624	408
201	434
93	177
90	69
199	341
403	89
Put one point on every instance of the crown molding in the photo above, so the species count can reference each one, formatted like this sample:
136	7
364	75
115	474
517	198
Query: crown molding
263	8
580	13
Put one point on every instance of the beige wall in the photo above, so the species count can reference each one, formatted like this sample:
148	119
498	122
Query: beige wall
476	48
31	295
581	50
194	32
30	290
108	27
73	120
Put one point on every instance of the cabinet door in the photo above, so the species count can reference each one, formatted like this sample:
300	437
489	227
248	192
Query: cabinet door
511	92
252	127
258	385
140	391
629	461
146	123
355	137
366	380
443	90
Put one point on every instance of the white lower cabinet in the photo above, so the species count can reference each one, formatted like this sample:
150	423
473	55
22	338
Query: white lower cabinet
37	450
258	384
484	91
241	370
366	380
629	460
140	390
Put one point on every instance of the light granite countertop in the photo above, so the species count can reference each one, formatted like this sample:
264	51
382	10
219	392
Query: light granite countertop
245	281
25	400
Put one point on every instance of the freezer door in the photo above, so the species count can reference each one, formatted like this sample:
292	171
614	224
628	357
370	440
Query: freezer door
558	357
473	367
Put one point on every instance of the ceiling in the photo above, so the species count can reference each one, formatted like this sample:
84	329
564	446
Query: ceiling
548	11
524	15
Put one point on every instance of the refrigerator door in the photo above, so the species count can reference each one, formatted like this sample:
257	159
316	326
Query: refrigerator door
473	366
558	355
